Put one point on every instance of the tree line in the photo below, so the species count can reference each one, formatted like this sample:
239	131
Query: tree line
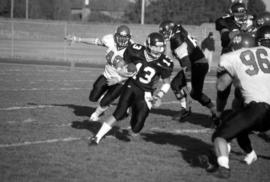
182	11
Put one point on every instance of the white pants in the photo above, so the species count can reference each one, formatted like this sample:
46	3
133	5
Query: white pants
209	56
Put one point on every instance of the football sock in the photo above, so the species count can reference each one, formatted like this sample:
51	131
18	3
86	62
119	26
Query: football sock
183	102
105	128
100	110
223	161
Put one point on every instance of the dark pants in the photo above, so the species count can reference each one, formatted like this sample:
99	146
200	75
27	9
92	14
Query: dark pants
100	87
253	117
132	96
198	74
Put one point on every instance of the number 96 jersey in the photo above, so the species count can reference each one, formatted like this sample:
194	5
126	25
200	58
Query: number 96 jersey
250	70
148	70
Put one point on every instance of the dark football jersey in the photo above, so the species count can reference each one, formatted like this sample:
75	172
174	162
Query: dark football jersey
228	22
194	51
147	71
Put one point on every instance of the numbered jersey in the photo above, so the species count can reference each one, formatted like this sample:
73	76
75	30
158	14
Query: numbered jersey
183	46
147	71
250	68
114	58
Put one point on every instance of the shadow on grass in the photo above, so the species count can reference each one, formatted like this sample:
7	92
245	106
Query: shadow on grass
93	127
195	118
78	110
191	148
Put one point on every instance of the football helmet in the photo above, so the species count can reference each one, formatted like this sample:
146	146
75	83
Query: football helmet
179	29
263	36
263	19
166	28
122	36
242	40
239	12
155	45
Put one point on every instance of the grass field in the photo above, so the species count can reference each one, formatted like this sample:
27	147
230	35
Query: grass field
43	130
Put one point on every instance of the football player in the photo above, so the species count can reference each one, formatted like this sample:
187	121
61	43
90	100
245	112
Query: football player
230	25
249	69
108	85
137	94
191	58
179	85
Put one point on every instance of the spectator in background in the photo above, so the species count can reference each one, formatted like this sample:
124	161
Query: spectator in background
208	48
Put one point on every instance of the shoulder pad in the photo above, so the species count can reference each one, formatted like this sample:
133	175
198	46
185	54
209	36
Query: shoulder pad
108	40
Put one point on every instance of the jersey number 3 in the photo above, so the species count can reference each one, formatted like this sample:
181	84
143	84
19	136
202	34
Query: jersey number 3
256	62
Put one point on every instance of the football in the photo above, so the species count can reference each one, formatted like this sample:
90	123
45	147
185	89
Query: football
131	68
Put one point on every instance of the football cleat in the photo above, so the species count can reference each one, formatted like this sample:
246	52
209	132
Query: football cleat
183	113
223	172
250	157
209	161
92	141
207	164
94	117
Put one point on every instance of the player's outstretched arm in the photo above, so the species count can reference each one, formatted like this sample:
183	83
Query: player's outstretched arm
90	41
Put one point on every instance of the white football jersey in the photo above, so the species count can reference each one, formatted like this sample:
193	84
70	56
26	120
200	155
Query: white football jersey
250	68
113	56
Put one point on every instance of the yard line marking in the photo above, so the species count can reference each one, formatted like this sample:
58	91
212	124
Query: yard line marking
25	107
88	80
43	89
13	108
180	131
26	143
69	139
171	102
39	107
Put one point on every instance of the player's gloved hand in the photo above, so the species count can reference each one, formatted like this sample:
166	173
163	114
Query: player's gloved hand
72	38
156	101
112	81
123	72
